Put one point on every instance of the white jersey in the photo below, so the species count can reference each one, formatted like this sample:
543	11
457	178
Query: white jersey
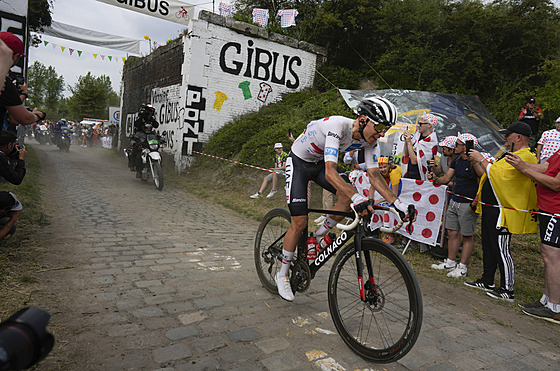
325	138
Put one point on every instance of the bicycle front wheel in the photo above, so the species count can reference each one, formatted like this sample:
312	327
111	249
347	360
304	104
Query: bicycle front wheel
268	246
385	326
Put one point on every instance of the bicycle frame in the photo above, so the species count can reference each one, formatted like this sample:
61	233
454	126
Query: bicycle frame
323	257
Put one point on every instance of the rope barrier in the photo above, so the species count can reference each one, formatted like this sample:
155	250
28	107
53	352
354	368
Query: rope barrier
451	193
238	163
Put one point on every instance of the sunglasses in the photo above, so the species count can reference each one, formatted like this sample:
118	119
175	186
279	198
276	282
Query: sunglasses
379	127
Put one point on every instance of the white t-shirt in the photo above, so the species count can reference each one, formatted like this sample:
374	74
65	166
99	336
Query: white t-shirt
550	141
325	138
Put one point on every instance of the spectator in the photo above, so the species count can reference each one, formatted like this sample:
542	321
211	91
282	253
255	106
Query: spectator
10	208
9	150
532	116
503	185
547	177
447	155
10	100
390	172
356	159
549	143
461	219
279	167
420	148
6	60
392	175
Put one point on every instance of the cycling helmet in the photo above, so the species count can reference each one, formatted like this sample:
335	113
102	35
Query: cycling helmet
379	110
62	121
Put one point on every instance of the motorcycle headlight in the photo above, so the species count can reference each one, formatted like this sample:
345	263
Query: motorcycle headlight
153	144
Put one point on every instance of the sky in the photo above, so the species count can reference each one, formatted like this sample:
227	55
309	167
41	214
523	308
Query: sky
98	16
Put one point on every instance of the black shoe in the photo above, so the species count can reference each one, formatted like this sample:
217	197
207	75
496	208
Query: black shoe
543	312
501	293
480	284
138	174
533	304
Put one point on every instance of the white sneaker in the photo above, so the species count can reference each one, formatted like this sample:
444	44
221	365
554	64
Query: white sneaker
272	193
320	219
458	272
444	266
284	288
256	195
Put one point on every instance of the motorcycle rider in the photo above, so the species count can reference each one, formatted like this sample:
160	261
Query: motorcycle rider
60	127
143	124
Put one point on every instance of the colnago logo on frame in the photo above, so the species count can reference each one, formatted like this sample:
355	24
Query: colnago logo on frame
340	240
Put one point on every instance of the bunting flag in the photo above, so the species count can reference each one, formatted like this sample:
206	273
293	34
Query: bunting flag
71	51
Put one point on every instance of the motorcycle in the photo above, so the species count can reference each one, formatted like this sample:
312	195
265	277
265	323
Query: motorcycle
42	134
64	139
150	145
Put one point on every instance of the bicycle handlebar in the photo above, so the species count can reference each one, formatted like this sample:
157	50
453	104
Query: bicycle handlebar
348	227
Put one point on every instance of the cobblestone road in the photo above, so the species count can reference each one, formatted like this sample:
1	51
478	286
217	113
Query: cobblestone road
141	279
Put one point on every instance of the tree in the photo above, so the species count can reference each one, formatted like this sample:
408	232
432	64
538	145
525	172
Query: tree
39	16
91	97
45	87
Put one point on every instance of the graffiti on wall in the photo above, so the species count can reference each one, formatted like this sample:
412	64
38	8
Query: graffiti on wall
166	102
260	64
195	106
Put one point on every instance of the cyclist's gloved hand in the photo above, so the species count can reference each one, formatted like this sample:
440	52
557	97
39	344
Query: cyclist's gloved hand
401	208
360	203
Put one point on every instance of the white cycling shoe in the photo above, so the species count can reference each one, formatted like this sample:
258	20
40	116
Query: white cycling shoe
284	288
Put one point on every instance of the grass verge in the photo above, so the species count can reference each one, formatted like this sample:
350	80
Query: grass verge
19	252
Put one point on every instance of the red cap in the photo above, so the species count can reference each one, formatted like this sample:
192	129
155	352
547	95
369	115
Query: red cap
13	42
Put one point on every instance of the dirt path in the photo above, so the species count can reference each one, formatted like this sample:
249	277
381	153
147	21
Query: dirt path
141	279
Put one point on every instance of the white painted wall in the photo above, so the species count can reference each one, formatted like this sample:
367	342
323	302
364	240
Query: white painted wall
226	74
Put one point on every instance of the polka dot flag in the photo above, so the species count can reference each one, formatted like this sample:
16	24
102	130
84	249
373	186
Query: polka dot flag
429	200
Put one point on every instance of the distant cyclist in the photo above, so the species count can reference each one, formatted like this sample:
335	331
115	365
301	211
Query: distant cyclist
314	156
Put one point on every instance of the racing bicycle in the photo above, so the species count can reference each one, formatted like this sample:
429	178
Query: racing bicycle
373	294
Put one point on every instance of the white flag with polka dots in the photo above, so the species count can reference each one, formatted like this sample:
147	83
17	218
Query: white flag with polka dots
427	198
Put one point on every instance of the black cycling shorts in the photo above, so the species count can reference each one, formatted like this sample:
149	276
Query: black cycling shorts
298	174
550	230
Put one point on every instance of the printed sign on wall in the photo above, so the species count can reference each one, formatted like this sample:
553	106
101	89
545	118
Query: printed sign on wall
168	114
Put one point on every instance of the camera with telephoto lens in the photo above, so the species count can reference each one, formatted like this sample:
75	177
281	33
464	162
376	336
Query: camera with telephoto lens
469	144
24	339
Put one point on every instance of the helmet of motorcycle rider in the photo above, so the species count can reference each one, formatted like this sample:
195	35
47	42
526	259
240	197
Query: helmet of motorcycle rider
147	109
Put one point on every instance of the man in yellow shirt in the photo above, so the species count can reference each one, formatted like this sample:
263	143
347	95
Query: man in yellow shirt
505	192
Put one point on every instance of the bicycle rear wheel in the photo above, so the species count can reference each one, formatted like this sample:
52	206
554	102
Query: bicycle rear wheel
268	246
385	326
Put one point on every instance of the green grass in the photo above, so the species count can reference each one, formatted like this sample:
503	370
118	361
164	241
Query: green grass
18	253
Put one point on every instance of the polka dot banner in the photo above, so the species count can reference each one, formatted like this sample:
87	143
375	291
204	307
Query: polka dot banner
429	200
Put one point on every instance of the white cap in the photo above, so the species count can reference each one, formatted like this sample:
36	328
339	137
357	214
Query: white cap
558	119
278	145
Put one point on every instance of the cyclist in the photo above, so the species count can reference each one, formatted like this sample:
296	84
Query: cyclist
314	156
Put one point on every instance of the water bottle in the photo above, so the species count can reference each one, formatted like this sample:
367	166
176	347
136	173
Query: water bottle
326	241
311	247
